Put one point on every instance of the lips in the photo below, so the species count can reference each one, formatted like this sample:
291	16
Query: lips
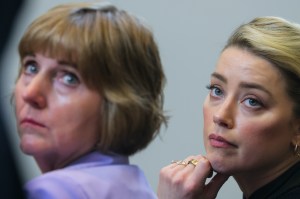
32	122
220	142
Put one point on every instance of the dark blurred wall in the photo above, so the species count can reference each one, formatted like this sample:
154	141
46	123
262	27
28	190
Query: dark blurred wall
10	182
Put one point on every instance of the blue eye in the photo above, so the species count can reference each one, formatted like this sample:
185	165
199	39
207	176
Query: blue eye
71	79
214	90
250	102
30	68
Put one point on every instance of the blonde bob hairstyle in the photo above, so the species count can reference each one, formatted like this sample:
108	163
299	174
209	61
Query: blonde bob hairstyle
116	55
278	41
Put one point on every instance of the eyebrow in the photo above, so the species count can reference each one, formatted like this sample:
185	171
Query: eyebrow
254	86
219	76
242	84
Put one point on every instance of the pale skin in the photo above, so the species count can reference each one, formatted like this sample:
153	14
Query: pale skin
189	182
249	129
57	114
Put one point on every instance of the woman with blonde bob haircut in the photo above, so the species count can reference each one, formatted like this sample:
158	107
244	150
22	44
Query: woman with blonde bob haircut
251	119
88	95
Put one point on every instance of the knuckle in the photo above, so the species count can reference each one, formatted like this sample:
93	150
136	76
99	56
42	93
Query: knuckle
205	162
191	187
166	173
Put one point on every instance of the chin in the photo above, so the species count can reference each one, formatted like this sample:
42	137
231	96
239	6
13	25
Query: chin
29	148
26	149
219	164
32	144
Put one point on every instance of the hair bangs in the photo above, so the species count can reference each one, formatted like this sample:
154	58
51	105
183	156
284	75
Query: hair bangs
56	40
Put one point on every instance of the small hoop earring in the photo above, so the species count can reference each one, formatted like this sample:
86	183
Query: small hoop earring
297	150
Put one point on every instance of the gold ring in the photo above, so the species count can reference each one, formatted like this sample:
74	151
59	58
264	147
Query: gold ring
182	162
179	162
193	162
174	161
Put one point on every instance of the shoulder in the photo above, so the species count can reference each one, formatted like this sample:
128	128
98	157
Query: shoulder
57	184
91	182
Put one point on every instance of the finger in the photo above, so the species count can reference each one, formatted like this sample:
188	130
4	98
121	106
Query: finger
175	163
192	160
176	168
178	171
171	181
185	170
202	171
213	187
181	164
194	177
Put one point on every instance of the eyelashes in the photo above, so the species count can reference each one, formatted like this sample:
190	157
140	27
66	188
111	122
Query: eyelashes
214	90
65	75
249	100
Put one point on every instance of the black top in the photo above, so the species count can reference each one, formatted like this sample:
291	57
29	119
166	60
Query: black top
286	186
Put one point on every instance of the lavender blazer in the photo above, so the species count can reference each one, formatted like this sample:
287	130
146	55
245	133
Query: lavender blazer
93	176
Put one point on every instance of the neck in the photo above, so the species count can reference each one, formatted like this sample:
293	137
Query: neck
251	181
47	165
50	163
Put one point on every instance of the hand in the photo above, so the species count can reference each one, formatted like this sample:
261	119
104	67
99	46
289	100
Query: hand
188	181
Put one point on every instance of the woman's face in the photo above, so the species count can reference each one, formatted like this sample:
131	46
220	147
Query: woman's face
248	121
57	115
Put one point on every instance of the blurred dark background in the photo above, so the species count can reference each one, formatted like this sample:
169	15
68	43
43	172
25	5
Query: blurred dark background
10	182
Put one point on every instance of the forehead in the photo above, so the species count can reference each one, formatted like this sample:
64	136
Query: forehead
241	72
245	66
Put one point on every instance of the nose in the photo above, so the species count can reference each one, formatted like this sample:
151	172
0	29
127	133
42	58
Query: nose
34	92
224	115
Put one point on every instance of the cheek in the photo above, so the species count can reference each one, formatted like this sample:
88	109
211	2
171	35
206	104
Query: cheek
17	100
263	143
208	123
207	116
263	132
83	117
